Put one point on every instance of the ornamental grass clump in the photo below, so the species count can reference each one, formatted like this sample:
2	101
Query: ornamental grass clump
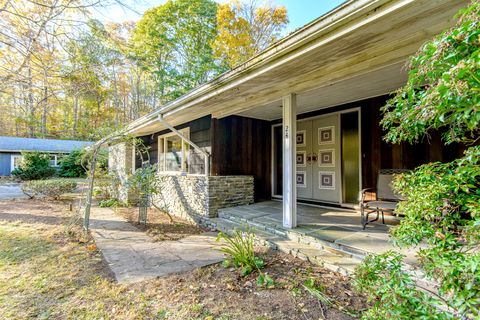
240	250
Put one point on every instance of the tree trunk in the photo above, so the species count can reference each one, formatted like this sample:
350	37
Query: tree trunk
45	111
75	116
31	108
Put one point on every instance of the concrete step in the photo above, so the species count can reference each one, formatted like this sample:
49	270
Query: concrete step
327	257
297	236
337	257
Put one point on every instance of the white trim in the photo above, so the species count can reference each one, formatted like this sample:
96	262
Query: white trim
12	160
304	184
304	164
304	144
320	142
55	161
272	162
289	145
322	187
320	157
162	150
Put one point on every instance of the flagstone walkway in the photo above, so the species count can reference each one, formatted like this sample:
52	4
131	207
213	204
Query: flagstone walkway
133	256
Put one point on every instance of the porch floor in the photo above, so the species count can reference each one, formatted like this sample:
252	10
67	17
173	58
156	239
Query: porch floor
339	228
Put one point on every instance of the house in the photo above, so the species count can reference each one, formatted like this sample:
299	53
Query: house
300	121
11	149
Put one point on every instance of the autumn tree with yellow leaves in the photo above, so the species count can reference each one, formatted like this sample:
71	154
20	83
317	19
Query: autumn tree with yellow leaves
245	29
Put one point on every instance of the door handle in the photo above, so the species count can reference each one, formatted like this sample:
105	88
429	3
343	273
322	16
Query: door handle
314	157
309	158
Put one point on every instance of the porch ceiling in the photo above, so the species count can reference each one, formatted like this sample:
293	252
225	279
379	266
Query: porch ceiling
364	86
353	57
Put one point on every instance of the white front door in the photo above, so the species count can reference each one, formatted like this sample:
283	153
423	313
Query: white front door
327	158
318	155
326	170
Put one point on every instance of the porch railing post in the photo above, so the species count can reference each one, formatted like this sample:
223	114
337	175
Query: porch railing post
289	162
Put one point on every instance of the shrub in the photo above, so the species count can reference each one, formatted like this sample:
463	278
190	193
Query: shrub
147	183
53	188
393	291
34	166
442	200
240	249
71	165
109	203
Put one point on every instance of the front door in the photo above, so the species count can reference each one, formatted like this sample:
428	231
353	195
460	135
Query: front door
327	159
317	152
326	156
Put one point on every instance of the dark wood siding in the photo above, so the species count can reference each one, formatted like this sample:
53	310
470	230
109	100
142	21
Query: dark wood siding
242	146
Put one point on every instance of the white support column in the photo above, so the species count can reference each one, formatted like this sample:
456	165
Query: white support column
289	162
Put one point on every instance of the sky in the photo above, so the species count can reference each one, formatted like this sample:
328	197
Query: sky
300	12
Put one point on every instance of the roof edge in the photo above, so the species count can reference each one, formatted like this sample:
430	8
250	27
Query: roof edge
326	23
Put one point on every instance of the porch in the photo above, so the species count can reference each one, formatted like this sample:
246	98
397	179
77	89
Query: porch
337	233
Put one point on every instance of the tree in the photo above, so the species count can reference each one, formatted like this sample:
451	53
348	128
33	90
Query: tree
71	165
245	29
442	206
172	42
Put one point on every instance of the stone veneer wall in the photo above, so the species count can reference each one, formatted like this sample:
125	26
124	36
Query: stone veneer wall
195	195
120	161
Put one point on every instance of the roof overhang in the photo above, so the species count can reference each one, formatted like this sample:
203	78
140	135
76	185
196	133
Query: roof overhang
354	52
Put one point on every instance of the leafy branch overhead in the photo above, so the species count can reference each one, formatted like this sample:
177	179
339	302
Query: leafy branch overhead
443	88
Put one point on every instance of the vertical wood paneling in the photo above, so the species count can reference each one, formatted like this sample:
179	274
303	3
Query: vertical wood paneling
242	147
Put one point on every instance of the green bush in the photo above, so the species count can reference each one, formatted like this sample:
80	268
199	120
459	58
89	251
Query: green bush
109	203
442	200
71	165
53	188
34	166
239	247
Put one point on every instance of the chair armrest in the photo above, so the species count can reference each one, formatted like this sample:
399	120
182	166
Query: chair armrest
363	193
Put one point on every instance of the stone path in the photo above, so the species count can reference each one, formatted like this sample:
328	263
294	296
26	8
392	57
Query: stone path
133	256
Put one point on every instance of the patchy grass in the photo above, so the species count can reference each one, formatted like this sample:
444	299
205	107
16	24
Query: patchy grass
49	269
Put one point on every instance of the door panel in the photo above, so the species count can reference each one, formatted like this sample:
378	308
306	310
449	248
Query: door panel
350	157
304	167
326	171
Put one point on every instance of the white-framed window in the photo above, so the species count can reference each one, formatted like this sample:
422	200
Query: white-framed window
173	152
53	160
15	161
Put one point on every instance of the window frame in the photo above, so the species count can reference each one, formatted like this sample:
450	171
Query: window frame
12	161
162	150
55	160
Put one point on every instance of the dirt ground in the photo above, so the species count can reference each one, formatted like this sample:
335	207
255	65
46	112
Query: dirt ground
159	225
50	270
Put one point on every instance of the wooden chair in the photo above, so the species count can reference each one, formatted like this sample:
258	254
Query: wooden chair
385	198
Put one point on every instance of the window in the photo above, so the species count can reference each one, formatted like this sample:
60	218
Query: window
53	160
173	152
15	162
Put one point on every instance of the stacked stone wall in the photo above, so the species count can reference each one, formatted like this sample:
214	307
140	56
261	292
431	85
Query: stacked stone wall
196	195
